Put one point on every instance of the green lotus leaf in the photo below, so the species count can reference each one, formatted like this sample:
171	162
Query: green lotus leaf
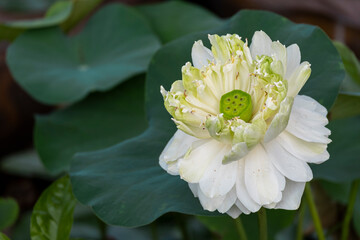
174	19
99	121
54	68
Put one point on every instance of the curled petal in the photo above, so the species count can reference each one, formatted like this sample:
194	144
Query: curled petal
201	55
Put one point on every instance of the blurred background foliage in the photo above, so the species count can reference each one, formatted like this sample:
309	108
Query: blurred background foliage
67	122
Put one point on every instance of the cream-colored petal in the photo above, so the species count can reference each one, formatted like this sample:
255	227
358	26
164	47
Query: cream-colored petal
260	44
261	177
306	151
288	165
293	59
279	52
242	192
298	78
291	195
202	154
201	55
218	178
307	120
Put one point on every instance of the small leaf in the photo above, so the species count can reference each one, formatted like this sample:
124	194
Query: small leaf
99	121
173	19
3	237
66	13
57	13
52	216
9	211
67	69
351	64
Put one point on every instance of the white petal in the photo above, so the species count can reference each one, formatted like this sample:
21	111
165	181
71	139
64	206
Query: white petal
261	177
242	207
307	120
228	202
280	121
241	190
306	151
260	45
293	59
234	212
287	164
176	148
201	56
194	187
219	178
298	78
203	152
291	195
210	204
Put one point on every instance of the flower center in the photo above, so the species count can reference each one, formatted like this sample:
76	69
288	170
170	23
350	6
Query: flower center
236	103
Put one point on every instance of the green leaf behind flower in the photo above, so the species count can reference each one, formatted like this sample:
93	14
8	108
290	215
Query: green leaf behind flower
174	19
52	216
65	69
344	150
99	121
125	185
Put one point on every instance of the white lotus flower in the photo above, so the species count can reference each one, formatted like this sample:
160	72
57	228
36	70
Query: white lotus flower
245	135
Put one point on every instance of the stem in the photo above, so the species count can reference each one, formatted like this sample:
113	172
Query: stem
181	220
154	231
240	229
262	224
103	229
349	210
314	213
299	235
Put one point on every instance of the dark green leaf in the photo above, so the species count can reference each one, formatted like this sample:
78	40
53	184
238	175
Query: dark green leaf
52	216
344	164
345	106
225	226
99	121
124	183
57	69
174	19
9	211
3	237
